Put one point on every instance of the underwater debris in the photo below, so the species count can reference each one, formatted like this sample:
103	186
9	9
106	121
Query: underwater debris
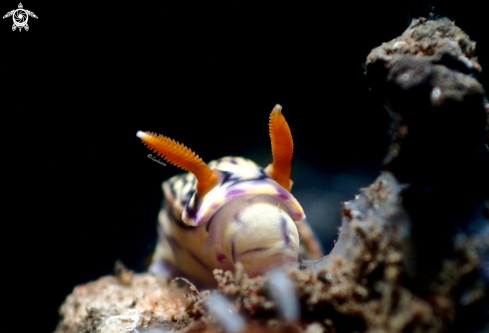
224	314
285	295
108	305
412	251
123	273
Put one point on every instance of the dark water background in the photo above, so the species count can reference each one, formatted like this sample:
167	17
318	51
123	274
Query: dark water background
78	189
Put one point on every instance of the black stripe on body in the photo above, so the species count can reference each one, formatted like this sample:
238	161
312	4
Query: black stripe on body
226	177
235	180
175	219
192	204
172	190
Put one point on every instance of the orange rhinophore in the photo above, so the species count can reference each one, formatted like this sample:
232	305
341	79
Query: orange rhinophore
282	148
182	157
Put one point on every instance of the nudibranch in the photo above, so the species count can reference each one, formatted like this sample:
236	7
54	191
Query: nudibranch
229	210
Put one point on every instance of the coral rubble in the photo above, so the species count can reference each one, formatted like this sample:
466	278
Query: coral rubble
122	302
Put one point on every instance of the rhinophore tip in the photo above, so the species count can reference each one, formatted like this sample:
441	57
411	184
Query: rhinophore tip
141	134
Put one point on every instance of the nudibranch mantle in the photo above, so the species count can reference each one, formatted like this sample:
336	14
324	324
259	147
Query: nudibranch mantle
238	181
229	210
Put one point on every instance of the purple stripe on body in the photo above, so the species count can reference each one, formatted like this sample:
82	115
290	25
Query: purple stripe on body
282	194
285	234
234	192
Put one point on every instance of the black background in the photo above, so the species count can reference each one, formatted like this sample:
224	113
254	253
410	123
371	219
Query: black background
78	189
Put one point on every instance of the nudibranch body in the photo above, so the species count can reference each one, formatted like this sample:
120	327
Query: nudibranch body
229	211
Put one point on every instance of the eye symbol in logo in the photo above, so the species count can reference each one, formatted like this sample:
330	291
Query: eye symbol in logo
20	17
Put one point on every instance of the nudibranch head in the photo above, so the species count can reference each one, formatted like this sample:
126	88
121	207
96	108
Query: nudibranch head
250	218
236	181
237	208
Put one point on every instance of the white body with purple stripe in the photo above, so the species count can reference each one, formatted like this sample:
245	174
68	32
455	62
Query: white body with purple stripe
248	217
